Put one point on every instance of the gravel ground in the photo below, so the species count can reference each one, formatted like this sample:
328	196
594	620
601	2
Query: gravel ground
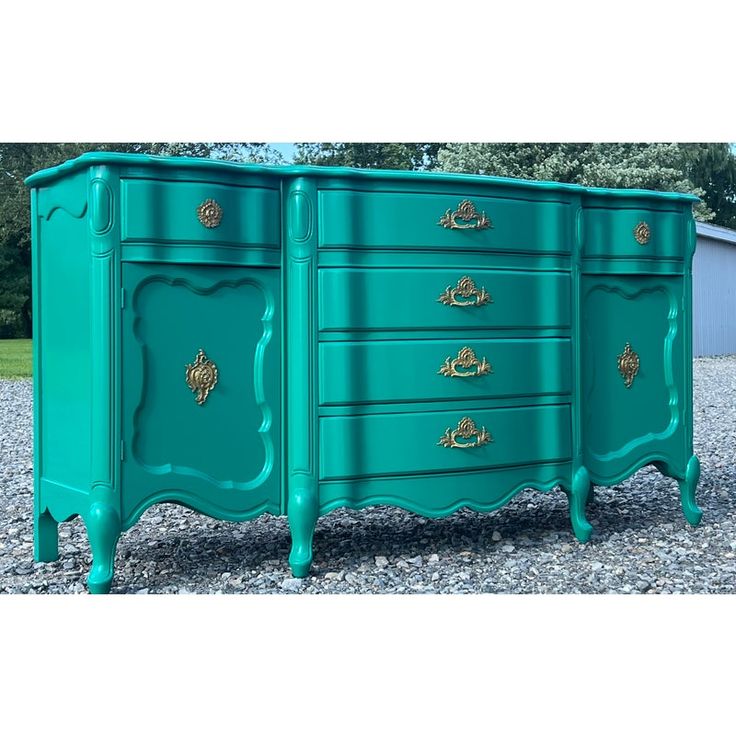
643	543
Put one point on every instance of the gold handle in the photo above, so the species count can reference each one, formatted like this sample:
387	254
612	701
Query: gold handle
201	376
465	212
209	213
465	430
642	233
465	359
467	289
628	365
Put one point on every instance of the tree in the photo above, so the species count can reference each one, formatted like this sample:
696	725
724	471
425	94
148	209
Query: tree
254	153
712	168
412	156
656	166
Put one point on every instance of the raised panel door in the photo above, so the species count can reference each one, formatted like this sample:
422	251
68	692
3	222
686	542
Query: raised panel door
216	451
632	403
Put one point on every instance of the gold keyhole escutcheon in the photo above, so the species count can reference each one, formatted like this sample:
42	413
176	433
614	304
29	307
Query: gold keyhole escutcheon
201	376
628	365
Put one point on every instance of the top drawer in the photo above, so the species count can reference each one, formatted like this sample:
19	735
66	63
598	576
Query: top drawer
199	212
634	233
396	220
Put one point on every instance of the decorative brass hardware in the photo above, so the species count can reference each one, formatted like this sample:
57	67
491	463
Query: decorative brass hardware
628	365
201	376
209	213
465	429
642	233
465	359
465	288
466	212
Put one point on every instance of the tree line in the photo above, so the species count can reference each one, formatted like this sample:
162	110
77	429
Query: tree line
707	170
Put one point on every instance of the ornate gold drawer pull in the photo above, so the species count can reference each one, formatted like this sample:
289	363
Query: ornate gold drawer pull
209	213
465	430
465	212
642	233
628	365
201	376
467	289
465	359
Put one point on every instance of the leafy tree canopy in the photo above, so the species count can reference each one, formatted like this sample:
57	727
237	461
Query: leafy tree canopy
657	166
413	156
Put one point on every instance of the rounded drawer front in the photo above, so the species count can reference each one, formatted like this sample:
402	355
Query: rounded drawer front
446	441
352	299
634	233
397	220
199	212
436	370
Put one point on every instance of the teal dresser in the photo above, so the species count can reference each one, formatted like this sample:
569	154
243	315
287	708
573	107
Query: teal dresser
244	339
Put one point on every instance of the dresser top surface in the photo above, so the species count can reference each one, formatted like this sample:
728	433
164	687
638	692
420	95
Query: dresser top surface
163	163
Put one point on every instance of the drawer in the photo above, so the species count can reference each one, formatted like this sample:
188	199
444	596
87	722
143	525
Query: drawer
433	370
634	233
167	211
435	299
394	220
446	441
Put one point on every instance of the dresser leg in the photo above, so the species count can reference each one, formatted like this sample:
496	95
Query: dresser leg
302	513
688	485
690	508
103	530
577	497
45	538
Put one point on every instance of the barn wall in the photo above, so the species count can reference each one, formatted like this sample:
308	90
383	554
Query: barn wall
714	298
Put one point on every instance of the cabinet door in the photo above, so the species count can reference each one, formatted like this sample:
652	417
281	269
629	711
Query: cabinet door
632	406
215	451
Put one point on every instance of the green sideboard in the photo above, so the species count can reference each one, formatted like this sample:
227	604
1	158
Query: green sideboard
246	339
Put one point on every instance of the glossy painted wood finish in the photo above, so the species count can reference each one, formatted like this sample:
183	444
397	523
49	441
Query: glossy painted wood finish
166	211
318	294
389	371
622	424
408	443
395	220
222	456
408	300
613	233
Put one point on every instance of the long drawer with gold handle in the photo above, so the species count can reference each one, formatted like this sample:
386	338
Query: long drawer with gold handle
444	441
441	298
461	221
437	370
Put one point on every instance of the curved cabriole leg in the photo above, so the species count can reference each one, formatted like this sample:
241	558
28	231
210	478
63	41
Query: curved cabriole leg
103	530
45	538
577	497
688	484
687	491
302	514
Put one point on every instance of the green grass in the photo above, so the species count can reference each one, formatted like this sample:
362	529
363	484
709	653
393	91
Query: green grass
16	359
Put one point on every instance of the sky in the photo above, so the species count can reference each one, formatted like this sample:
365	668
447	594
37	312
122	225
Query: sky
286	150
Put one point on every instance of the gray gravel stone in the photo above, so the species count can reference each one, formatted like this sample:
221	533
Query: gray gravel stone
642	543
